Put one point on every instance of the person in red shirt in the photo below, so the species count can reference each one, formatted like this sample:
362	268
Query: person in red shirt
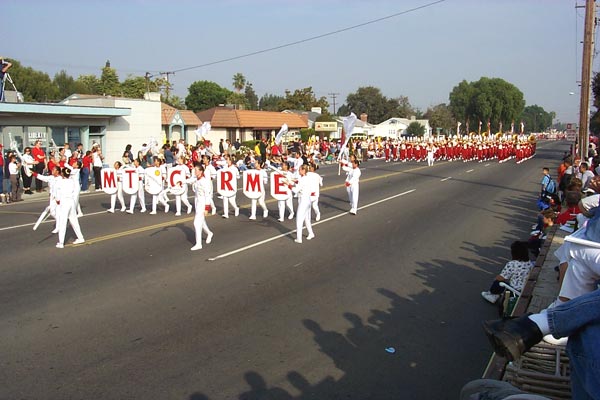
86	167
572	198
39	157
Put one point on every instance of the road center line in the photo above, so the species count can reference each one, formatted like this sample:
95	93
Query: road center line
47	221
471	170
250	246
445	179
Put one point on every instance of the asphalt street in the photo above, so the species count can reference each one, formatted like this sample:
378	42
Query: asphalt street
134	314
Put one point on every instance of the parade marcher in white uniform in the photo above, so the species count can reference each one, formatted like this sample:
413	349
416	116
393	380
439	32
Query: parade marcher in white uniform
75	172
202	188
316	183
303	213
211	173
288	202
65	200
431	149
140	193
113	197
184	196
51	181
352	179
261	200
162	196
231	200
298	161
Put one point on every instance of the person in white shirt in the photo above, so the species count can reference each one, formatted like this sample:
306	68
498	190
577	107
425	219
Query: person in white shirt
65	200
181	150
288	202
316	183
27	162
75	176
184	196
230	200
352	180
97	167
140	193
113	197
261	200
51	208
211	173
298	161
159	162
202	187
303	212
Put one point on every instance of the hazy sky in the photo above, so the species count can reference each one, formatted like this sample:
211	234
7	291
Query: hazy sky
534	44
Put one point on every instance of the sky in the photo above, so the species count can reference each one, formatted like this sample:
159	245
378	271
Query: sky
421	54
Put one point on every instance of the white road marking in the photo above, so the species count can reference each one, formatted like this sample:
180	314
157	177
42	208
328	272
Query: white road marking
250	246
471	170
47	221
487	165
445	179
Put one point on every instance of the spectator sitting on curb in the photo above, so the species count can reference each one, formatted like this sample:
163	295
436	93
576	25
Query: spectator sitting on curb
514	273
572	199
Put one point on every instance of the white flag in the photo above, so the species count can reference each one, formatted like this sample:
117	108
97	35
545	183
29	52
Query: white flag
282	131
203	130
348	123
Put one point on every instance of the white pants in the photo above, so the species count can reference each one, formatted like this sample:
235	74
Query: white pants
162	197
353	196
119	195
200	222
303	217
226	202
77	206
261	202
140	195
583	269
430	159
282	204
66	212
180	198
314	201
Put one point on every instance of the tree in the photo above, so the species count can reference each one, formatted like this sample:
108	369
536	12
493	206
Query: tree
90	83
303	99
488	99
238	100
415	129
441	117
174	101
402	108
109	81
371	101
203	95
270	102
67	85
35	85
536	119
251	97
136	87
239	81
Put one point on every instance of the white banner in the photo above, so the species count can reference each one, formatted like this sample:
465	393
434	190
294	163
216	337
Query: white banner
279	187
109	180
226	182
153	181
131	181
176	177
253	185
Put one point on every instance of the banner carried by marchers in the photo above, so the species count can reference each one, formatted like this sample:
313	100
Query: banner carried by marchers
130	181
153	181
279	187
176	178
109	179
226	182
253	186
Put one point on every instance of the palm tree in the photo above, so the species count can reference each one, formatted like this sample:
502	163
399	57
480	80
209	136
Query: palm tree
239	81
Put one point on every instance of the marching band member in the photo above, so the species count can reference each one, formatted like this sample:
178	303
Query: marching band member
140	193
113	197
352	178
65	200
288	202
316	183
202	187
230	200
298	161
75	171
51	181
303	189
261	200
162	196
211	173
182	197
431	149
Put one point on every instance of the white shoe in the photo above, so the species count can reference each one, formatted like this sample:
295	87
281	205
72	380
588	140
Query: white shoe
214	211
311	236
265	213
110	210
280	219
196	247
129	211
98	190
123	209
237	212
189	210
79	215
178	214
353	211
55	230
557	342
318	217
209	237
492	298
152	212
167	208
78	241
143	210
225	216
291	216
298	241
60	246
252	217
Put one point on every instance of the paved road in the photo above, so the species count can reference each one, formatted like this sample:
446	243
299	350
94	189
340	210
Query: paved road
134	314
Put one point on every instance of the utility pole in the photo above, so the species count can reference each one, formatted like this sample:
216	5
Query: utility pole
586	72
168	85
333	96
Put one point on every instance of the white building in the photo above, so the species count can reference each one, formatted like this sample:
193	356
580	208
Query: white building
396	127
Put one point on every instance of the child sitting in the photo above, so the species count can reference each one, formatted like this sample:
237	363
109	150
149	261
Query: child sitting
514	273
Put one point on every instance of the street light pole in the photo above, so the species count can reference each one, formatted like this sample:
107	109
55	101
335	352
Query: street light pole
586	71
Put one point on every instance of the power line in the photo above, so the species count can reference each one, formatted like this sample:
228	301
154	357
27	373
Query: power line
310	38
333	96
